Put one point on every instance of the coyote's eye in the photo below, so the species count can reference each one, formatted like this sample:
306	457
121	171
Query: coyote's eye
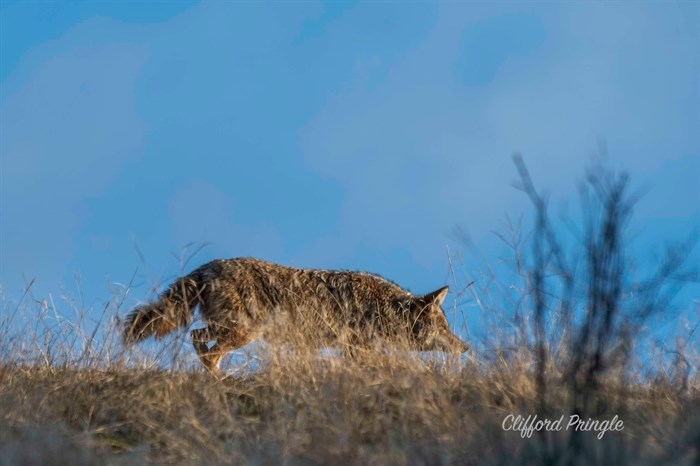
417	329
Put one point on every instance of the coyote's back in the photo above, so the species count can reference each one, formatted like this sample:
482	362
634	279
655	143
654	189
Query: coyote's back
244	299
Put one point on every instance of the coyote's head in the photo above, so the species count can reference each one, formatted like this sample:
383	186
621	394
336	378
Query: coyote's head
431	332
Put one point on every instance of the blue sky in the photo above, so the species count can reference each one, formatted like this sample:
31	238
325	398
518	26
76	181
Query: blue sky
323	134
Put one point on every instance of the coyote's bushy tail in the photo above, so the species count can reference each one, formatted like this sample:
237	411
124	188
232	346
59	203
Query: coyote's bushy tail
172	309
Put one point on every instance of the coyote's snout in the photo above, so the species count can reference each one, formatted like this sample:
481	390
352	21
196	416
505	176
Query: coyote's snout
244	299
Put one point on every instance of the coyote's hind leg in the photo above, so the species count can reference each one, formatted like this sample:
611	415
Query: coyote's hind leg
200	339
211	357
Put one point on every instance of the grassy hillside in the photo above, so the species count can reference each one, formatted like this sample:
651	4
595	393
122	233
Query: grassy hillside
559	337
392	409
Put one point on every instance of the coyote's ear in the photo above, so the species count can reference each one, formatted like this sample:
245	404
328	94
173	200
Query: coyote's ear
437	296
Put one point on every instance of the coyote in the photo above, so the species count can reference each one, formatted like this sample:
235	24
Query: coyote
239	298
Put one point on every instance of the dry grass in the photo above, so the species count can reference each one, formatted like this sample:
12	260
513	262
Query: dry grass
65	402
557	339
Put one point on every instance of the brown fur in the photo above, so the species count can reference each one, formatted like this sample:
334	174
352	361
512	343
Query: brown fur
245	299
